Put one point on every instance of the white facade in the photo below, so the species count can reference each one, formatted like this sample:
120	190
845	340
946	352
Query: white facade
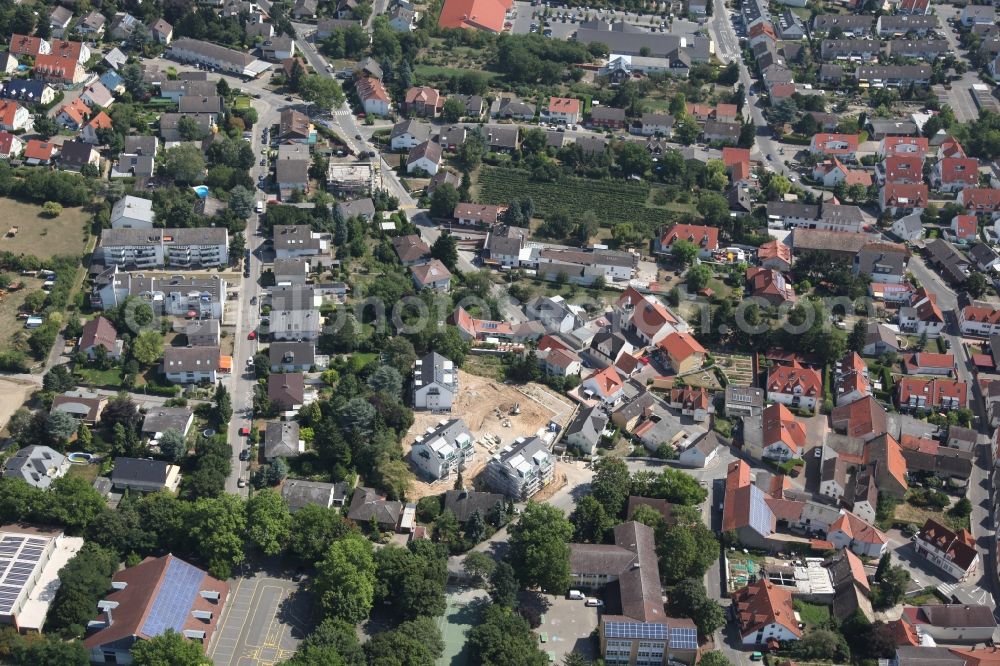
428	165
444	449
132	212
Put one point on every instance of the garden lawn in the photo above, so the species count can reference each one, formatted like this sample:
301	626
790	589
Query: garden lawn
812	615
613	201
918	515
93	377
41	236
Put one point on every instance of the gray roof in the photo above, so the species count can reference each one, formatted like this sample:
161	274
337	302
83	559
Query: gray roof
139	145
842	215
294	237
359	207
292	297
463	503
877	259
628	39
281	439
849	22
589	424
161	419
907	22
213	51
907	655
295	321
958	615
911	223
501	136
34	464
435	369
791	209
410	248
418	130
190	359
141	470
292	171
290	266
209	327
291	353
745	395
366	504
901	72
300	492
523	450
202	89
876	332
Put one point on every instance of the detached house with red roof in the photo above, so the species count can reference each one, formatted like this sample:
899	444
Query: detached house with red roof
556	358
605	385
953	552
952	174
39	152
73	115
922	315
863	539
902	169
705	238
775	255
795	386
950	147
833	172
13	116
850	380
979	200
770	285
682	352
978	320
903	145
928	363
765	614
965	228
53	67
10	145
565	110
647	317
373	96
156	595
423	101
902	198
864	418
784	437
834	145
89	132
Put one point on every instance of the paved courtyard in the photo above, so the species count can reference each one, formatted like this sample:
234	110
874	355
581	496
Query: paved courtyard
262	624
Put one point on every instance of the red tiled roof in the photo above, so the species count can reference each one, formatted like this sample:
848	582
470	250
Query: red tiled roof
680	346
959	170
25	45
76	110
606	381
8	110
780	426
371	89
861	418
702	236
690	397
774	250
934	390
980	199
919	444
768	282
785	379
6	143
39	150
965	226
731	156
475	14
762	603
904	168
100	121
913	195
926	306
99	332
950	147
424	95
981	314
820	140
905	145
857	529
914	362
959	547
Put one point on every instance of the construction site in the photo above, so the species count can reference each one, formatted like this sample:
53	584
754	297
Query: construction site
496	414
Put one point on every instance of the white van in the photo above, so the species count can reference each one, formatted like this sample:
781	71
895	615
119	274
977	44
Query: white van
260	207
592	602
575	594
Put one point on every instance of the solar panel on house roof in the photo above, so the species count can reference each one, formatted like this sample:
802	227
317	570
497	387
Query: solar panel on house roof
173	602
760	513
684	638
652	631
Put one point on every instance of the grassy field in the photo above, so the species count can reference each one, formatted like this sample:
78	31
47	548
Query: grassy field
94	377
86	472
907	513
489	367
43	237
813	615
613	201
10	304
440	71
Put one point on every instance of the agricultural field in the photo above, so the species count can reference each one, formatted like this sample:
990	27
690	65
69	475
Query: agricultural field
613	201
43	237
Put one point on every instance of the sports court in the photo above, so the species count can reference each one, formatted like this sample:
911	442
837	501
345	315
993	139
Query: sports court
463	611
262	623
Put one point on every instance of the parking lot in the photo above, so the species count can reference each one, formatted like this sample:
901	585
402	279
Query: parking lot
567	625
262	624
568	20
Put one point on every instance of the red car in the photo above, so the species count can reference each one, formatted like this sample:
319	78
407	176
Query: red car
252	335
244	432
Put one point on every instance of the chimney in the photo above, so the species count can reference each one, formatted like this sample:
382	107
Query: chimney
616	320
107	607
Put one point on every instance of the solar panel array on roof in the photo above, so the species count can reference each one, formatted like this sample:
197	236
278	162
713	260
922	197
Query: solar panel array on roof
760	512
19	556
652	631
684	638
174	599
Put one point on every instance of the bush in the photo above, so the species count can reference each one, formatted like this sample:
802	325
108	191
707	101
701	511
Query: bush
52	209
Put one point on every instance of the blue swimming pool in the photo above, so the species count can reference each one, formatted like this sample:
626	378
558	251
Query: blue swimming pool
201	191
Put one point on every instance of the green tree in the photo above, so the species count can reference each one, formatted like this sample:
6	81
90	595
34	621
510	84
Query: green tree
386	379
215	526
168	649
684	252
241	201
590	521
687	551
184	163
48	651
445	250
539	548
52	209
690	599
412	580
822	644
83	581
332	643
60	427
452	110
503	638
321	91
633	159
479	566
45	127
173	444
714	658
58	380
148	347
345	580
313	530
503	585
417	642
610	486
269	522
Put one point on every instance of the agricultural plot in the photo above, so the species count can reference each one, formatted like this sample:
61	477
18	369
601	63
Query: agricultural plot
613	201
737	368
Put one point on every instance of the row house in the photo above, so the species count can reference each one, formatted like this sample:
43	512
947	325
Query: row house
795	386
952	174
979	200
893	76
903	198
850	49
922	315
924	49
978	320
157	248
889	25
903	145
834	145
905	169
851	25
925	395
